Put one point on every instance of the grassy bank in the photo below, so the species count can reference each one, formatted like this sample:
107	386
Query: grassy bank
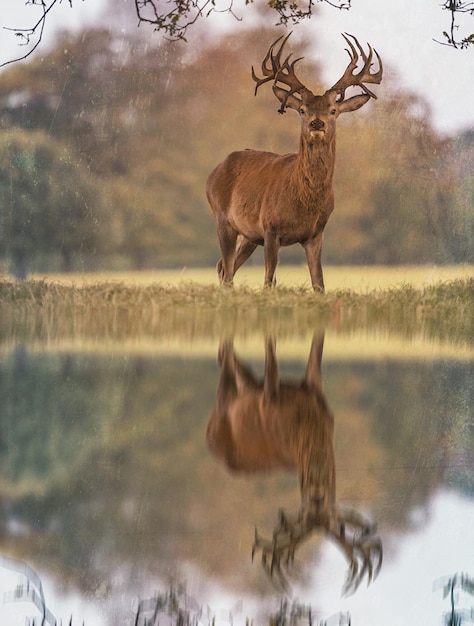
123	310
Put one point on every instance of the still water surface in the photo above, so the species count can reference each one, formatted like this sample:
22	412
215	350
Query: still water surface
127	472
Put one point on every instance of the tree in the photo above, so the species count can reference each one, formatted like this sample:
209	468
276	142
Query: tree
413	197
72	92
47	201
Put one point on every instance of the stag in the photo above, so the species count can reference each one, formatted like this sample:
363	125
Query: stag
258	426
262	198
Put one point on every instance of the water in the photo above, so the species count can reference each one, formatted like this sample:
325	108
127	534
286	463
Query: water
118	485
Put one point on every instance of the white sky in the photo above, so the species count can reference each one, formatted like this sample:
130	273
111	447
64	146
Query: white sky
401	30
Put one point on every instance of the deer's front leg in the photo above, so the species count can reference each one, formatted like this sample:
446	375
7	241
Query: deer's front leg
313	249
271	245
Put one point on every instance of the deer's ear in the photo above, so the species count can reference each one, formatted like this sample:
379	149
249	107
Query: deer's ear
287	99
354	103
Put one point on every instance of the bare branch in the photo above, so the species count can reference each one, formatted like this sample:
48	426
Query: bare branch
456	8
24	35
174	23
184	13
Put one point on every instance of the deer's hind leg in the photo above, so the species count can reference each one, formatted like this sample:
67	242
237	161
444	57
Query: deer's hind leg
228	241
245	249
236	376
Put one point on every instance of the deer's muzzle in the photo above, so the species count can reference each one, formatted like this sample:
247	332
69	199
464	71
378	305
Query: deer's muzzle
317	124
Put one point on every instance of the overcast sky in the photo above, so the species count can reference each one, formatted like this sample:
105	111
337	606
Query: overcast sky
401	30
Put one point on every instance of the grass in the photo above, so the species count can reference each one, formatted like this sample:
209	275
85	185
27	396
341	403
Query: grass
355	278
125	309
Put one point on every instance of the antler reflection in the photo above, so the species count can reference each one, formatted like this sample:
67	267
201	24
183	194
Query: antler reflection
355	535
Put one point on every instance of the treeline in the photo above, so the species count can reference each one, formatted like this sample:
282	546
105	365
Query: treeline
106	142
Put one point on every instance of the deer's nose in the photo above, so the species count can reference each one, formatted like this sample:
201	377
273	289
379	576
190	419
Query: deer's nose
317	124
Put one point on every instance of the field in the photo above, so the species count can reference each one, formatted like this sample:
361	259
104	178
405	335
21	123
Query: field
358	279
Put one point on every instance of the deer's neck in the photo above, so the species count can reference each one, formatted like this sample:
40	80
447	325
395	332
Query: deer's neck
315	169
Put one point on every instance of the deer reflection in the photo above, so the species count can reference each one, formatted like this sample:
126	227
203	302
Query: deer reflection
258	426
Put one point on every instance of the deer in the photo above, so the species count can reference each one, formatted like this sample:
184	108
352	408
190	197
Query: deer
259	426
263	198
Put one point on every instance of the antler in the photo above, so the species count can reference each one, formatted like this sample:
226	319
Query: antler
362	546
274	69
279	552
349	79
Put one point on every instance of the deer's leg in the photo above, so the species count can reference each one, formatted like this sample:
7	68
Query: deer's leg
244	250
313	377
227	383
271	245
234	373
313	249
271	383
227	240
244	377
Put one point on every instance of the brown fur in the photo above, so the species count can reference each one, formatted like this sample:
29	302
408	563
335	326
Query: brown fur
262	425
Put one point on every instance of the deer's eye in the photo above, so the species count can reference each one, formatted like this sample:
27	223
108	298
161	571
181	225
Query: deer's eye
302	111
333	111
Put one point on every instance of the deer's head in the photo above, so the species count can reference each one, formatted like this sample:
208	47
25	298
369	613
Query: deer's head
318	113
